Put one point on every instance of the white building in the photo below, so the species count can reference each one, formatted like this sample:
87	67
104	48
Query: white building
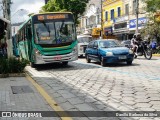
91	18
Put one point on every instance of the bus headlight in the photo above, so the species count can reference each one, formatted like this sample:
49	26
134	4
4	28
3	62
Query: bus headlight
75	49
109	54
37	52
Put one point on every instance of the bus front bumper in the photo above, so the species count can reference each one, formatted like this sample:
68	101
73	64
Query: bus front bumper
41	59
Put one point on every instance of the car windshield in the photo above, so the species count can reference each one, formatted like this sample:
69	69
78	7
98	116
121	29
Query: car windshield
54	32
108	44
126	42
84	39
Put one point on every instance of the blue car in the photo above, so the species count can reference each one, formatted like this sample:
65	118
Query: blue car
108	51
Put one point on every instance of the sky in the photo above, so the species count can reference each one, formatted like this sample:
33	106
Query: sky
21	8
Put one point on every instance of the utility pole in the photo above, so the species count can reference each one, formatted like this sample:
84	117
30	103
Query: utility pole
101	19
137	12
7	15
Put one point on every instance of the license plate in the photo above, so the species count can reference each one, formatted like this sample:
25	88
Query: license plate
122	57
57	58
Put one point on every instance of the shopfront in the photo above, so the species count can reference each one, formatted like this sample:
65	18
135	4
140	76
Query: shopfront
141	22
108	33
120	28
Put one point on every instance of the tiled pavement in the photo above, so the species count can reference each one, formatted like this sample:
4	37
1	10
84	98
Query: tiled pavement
90	87
21	101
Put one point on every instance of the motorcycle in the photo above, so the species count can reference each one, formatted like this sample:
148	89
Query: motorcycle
143	49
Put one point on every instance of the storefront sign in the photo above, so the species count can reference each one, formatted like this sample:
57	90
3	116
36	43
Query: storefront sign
141	22
121	19
96	31
120	25
108	31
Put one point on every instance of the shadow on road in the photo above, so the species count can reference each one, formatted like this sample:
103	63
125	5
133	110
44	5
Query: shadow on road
61	67
79	66
146	59
117	64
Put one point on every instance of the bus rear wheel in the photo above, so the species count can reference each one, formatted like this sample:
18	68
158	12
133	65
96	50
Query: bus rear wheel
33	65
65	63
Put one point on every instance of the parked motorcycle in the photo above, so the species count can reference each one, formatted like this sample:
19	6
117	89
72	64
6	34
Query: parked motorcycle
144	49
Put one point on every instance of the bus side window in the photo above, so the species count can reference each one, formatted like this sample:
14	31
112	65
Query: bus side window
24	34
29	32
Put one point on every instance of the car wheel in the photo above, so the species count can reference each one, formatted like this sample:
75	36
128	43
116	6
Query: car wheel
87	59
129	62
103	62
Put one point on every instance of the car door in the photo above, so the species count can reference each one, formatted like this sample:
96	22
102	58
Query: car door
95	51
89	49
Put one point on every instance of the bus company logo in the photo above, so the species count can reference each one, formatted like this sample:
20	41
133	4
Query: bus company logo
6	114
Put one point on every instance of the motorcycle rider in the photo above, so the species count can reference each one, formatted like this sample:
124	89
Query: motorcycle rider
135	42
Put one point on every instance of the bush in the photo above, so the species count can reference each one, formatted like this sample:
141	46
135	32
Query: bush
4	67
12	65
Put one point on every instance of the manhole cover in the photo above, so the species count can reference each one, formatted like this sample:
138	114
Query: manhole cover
21	89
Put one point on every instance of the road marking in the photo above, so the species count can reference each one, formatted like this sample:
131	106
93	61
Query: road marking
118	71
49	99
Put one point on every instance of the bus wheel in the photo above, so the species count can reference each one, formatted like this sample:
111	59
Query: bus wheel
65	63
33	65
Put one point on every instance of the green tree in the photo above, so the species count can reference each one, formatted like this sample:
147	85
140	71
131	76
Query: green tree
77	7
152	28
152	5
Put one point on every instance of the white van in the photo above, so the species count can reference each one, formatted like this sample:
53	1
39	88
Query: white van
83	41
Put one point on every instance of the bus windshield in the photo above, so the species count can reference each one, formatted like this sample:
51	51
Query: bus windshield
54	32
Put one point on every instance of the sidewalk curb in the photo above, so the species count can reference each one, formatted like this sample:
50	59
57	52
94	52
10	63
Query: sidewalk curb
156	55
51	102
12	75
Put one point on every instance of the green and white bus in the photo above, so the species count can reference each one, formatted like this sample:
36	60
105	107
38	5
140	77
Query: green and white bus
47	38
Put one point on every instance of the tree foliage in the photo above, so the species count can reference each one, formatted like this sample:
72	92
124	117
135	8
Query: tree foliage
152	28
152	5
77	7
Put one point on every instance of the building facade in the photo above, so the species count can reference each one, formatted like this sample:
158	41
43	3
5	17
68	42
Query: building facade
121	23
119	18
112	9
91	20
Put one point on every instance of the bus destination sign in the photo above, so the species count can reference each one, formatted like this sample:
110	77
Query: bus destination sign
52	16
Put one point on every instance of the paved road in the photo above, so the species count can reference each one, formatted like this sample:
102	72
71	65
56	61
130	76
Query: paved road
18	94
90	87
